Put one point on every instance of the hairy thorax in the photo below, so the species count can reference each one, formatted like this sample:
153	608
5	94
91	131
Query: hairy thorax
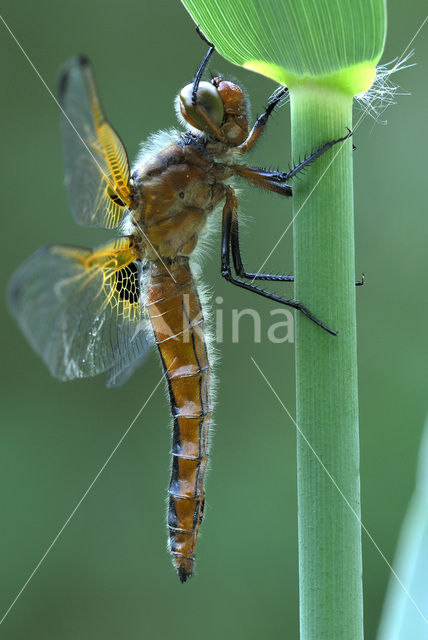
175	191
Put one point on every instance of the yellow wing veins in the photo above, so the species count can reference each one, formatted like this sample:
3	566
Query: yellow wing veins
98	179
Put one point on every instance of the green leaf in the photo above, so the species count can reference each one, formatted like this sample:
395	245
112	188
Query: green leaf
335	42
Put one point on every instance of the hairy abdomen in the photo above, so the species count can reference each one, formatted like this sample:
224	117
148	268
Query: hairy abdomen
176	316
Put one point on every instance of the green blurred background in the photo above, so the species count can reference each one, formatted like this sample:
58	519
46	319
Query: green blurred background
109	575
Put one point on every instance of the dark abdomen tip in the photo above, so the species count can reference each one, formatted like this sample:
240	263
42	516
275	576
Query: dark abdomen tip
184	567
184	574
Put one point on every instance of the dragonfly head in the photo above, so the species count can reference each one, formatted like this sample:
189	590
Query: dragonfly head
223	102
235	120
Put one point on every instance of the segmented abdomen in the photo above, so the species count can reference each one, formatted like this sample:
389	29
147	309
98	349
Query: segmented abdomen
176	316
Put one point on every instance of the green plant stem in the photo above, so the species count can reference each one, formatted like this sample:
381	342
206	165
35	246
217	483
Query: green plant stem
330	565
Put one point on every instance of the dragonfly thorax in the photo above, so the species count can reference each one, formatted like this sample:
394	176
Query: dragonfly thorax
175	191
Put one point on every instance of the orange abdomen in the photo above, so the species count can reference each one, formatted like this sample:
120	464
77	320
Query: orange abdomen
176	316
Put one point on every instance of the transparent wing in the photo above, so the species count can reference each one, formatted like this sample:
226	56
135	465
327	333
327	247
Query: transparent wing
82	310
117	377
96	163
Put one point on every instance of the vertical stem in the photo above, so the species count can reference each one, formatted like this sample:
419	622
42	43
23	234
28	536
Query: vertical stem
330	564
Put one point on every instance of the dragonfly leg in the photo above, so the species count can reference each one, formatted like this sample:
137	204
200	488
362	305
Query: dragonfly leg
262	178
259	177
202	66
230	210
211	127
278	176
237	257
261	121
238	262
274	180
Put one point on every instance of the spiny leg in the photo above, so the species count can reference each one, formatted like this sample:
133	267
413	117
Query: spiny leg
238	262
278	176
236	251
229	211
262	178
237	258
261	121
273	180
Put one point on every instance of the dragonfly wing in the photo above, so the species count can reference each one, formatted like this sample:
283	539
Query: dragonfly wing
82	310
97	166
118	377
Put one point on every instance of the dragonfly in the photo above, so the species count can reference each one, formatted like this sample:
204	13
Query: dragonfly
87	311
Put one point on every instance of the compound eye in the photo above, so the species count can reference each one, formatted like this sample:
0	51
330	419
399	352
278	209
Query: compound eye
207	97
